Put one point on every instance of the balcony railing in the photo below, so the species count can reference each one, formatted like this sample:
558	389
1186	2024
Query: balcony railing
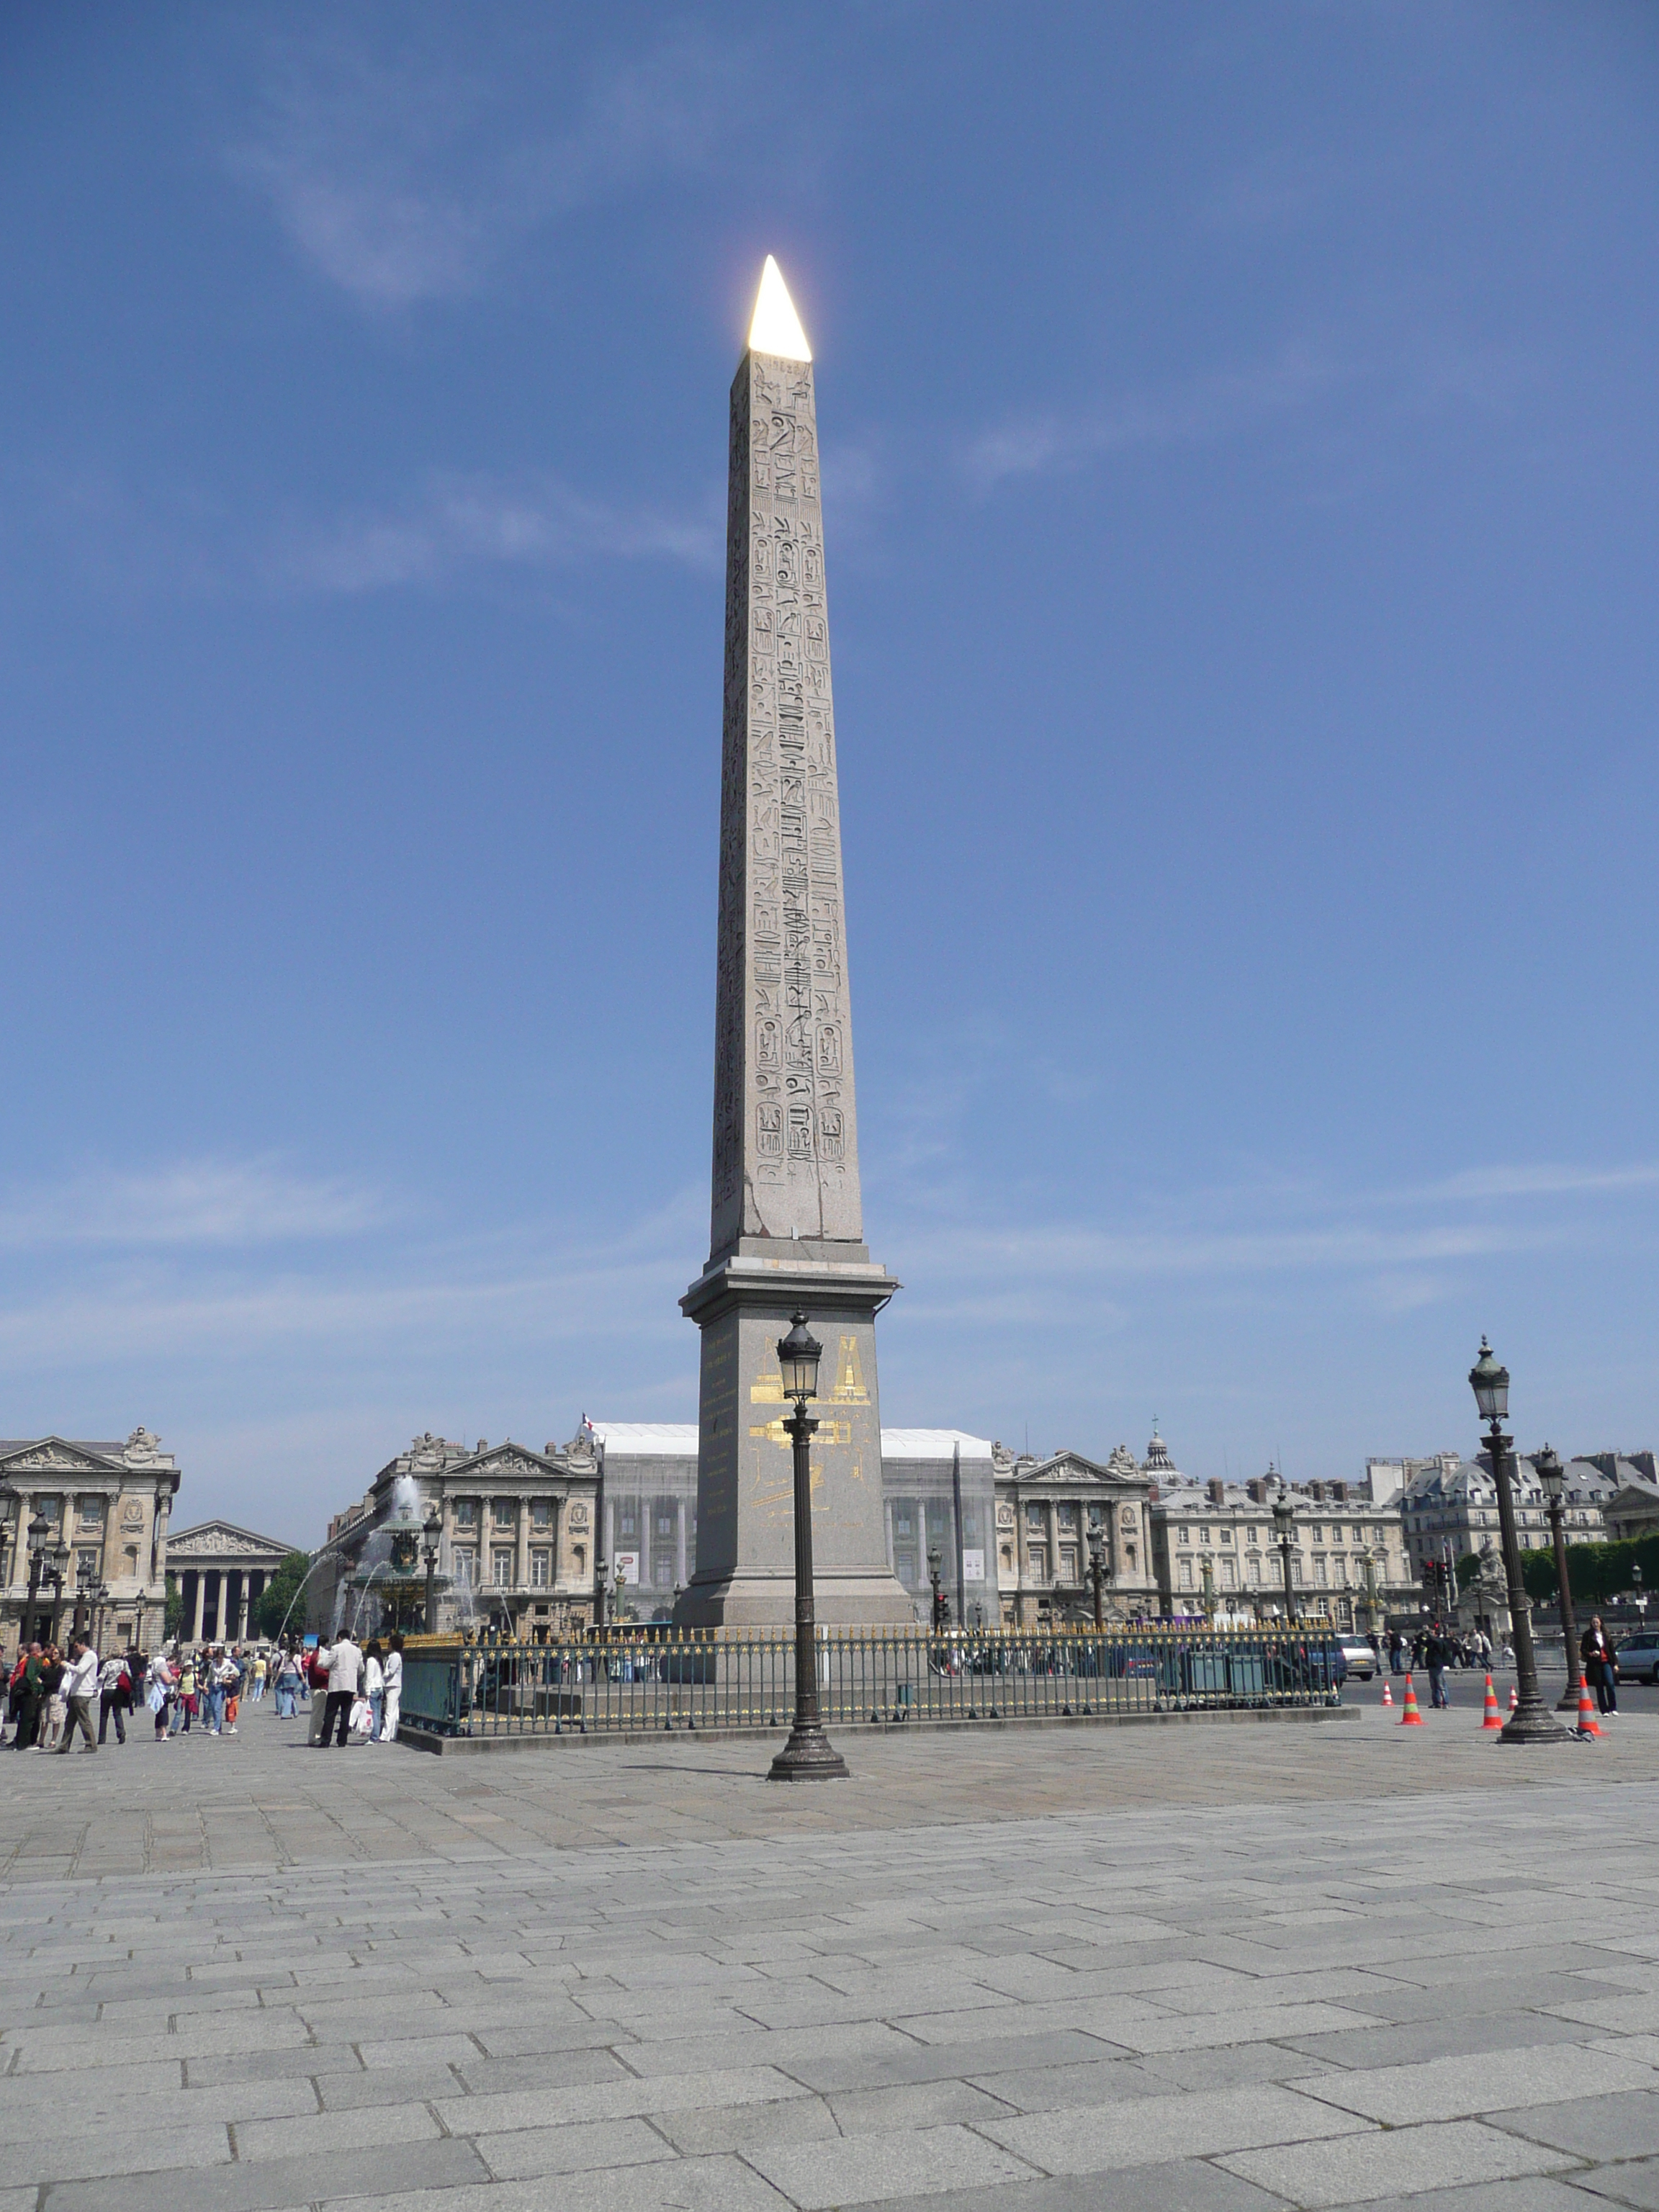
627	1681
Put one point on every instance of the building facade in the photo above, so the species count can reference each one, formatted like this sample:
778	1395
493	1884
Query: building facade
220	1572
515	1546
1448	1507
109	1504
1051	1513
1216	1548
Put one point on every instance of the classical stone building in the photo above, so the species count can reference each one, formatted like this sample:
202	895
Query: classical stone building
220	1572
1448	1505
109	1504
1228	1529
1047	1513
516	1548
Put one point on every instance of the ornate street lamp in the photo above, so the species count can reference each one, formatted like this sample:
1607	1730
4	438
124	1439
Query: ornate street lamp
1207	1588
1531	1721
57	1572
1098	1571
601	1569
1368	1569
936	1619
39	1536
808	1755
432	1529
1553	1480
1285	1537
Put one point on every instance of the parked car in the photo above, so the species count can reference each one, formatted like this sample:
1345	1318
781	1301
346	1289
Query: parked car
1357	1657
1638	1656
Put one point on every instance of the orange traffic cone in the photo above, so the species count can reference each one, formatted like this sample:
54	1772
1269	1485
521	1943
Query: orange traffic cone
1387	1694
1514	1695
1411	1717
1491	1717
1587	1723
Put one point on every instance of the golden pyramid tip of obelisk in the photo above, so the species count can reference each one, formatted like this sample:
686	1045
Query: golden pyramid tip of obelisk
776	327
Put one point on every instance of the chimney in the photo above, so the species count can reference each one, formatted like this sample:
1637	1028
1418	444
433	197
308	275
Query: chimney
1256	1490
1217	1490
1340	1493
1151	1493
1316	1492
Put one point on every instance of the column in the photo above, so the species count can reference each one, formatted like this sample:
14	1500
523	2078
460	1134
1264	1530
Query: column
1051	1525
194	1606
255	1590
233	1584
521	1545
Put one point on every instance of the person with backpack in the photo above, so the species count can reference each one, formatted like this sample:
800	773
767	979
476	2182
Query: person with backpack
114	1697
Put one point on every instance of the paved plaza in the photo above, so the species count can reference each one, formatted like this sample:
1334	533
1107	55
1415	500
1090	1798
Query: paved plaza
1212	1966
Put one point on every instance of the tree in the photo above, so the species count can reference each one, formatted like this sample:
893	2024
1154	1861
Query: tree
280	1592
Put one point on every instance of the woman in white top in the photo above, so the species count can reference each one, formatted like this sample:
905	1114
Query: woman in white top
393	1671
161	1683
373	1687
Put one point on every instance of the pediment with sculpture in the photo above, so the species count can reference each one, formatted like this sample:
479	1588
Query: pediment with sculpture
222	1539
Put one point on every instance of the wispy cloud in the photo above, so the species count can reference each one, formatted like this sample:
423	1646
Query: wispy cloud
1203	408
200	1202
405	178
456	522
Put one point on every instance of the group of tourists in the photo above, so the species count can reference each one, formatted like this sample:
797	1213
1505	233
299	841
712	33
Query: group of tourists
50	1694
360	1690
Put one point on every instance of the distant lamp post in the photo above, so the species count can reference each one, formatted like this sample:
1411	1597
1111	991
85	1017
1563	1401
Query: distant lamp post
56	1575
432	1529
601	1569
808	1755
1207	1588
1552	1478
935	1562
39	1535
1285	1537
1097	1575
1638	1595
1531	1721
1368	1570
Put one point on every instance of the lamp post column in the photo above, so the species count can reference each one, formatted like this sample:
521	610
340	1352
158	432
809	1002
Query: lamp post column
1531	1721
1553	1480
1097	1576
808	1756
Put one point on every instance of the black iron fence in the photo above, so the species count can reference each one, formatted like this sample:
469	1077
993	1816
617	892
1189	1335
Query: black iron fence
658	1680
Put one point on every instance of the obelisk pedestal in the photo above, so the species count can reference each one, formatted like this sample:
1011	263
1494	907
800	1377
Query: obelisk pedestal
786	1227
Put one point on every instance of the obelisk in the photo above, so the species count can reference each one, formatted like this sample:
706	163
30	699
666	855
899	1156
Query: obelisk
786	1228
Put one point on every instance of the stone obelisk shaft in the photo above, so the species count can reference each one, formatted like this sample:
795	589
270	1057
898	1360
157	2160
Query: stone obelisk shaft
786	1126
786	1218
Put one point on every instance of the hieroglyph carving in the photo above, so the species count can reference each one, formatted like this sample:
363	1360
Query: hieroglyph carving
786	1139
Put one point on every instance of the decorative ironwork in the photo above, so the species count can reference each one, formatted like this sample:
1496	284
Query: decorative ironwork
656	1679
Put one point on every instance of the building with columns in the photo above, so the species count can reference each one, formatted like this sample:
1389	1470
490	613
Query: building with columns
220	1572
109	1504
1049	1513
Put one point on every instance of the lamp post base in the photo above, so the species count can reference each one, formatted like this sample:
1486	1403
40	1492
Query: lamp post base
1532	1722
1568	1701
809	1756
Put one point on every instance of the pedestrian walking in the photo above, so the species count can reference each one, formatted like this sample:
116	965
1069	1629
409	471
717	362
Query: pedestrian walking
114	1698
374	1688
52	1681
80	1686
230	1690
394	1690
161	1688
1600	1667
184	1705
29	1693
290	1679
259	1672
344	1662
1396	1652
1438	1651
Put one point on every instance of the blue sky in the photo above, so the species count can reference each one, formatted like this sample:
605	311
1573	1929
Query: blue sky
1240	486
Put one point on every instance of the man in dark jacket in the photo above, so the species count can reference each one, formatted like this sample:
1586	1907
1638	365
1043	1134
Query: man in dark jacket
1439	1654
1601	1667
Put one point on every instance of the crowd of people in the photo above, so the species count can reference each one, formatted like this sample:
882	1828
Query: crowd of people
353	1692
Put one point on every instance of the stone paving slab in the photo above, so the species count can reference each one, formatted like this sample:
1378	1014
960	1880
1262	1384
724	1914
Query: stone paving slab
1338	1971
